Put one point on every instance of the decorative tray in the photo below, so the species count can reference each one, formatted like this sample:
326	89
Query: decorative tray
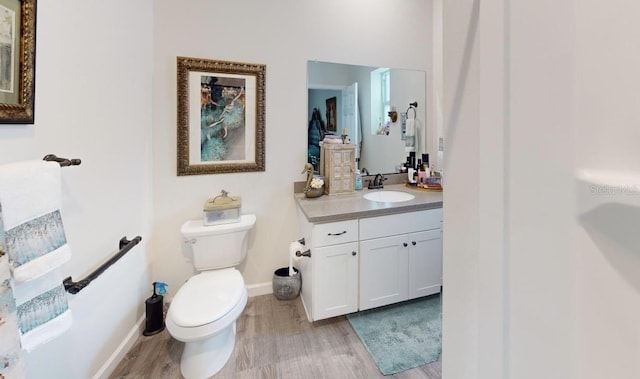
421	188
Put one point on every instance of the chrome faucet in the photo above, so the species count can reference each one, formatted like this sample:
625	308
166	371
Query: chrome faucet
376	183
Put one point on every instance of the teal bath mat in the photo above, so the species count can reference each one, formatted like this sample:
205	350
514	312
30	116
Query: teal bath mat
401	336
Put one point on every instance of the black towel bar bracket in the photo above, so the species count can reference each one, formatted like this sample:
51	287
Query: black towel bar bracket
62	161
124	245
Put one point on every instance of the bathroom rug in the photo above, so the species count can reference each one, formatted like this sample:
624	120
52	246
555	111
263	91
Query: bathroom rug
401	336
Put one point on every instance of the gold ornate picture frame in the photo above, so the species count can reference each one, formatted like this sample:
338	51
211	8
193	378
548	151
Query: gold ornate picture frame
221	116
17	61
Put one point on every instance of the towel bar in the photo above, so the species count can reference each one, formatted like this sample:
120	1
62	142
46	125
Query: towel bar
62	161
124	246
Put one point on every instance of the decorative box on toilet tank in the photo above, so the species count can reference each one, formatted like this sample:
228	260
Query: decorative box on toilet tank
222	209
338	166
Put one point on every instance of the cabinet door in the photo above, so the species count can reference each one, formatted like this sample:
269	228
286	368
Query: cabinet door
425	263
336	280
383	271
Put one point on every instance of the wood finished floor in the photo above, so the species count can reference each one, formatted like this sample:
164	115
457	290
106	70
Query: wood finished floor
275	340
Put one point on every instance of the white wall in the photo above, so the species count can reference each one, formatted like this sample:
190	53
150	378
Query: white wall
461	87
540	215
436	131
93	102
543	286
508	298
606	131
284	35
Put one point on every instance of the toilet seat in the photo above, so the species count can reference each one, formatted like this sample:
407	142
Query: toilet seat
207	331
206	297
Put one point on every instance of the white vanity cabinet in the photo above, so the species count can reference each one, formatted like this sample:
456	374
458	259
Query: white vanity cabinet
370	262
425	263
400	257
330	275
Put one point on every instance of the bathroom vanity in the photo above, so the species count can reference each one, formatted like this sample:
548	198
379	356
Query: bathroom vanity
366	254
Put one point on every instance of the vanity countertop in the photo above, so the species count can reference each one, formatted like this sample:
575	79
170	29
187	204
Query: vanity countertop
330	208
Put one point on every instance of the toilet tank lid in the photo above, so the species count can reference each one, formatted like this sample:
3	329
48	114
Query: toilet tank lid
196	228
206	297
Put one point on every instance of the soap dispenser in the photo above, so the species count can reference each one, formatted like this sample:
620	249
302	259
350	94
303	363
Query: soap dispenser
358	184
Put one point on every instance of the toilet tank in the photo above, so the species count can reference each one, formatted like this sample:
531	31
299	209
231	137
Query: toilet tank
218	246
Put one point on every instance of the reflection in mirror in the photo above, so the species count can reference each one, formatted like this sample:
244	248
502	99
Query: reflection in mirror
356	100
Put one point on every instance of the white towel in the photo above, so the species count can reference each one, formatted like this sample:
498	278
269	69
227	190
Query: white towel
30	194
34	240
411	127
43	310
10	351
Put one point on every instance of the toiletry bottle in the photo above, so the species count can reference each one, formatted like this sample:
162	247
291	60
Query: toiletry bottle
425	163
410	172
358	180
421	175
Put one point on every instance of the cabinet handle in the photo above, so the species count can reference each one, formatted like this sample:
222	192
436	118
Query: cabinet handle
413	243
404	244
353	253
337	234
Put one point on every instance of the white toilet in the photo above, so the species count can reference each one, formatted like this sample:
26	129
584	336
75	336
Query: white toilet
204	311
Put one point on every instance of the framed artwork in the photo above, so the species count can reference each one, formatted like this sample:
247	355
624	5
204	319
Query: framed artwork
221	116
332	114
17	61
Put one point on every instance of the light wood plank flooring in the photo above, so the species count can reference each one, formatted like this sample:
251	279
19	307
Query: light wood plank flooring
275	340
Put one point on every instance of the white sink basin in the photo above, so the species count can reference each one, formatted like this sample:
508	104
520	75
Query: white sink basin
389	196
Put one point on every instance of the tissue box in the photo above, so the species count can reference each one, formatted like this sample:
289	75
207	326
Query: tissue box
222	210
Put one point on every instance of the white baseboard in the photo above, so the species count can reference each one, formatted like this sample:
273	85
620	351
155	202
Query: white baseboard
122	350
259	289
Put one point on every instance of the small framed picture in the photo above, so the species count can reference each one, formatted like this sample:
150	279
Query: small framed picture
332	114
17	61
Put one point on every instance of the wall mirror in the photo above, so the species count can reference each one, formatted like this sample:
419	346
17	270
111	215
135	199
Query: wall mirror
352	99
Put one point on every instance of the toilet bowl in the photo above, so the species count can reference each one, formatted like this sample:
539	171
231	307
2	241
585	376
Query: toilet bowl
207	327
204	311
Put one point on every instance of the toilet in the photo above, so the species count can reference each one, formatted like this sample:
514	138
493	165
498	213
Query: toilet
204	311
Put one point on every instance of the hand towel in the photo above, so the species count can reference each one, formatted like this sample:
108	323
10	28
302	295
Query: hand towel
11	354
42	309
30	194
35	242
410	130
